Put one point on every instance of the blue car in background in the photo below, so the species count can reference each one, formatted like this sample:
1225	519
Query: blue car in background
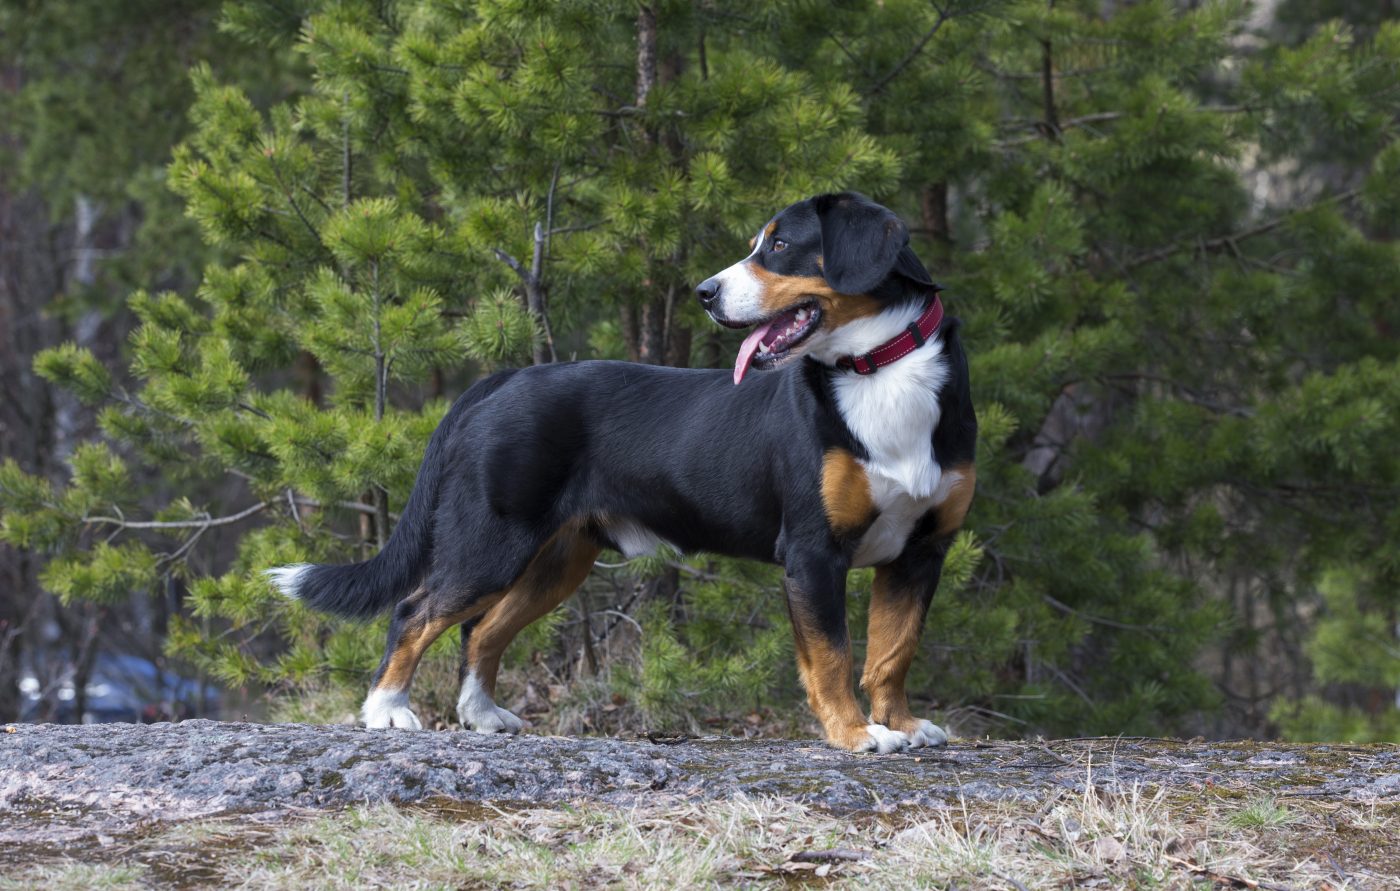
122	687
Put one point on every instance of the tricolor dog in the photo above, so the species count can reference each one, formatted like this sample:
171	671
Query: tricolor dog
844	438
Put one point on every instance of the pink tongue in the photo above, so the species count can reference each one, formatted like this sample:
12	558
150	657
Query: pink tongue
746	351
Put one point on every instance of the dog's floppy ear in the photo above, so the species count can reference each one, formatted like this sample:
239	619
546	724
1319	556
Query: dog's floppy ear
911	267
861	241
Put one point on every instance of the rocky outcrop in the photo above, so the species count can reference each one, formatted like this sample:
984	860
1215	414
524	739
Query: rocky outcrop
114	777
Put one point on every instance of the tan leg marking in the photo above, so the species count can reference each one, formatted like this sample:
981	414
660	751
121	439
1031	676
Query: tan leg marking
414	641
953	510
896	621
826	673
555	573
845	492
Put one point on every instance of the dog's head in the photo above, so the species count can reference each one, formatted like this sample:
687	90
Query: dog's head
819	267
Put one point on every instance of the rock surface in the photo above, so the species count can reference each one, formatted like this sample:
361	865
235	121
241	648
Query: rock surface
116	777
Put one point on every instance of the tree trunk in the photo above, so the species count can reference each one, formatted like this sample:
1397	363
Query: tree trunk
933	206
631	331
646	57
29	276
653	332
651	346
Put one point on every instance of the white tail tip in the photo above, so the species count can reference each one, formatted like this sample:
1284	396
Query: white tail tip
288	578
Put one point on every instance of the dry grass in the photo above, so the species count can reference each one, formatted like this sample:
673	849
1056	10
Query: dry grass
1133	839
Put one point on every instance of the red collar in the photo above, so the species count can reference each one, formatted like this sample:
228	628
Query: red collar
916	335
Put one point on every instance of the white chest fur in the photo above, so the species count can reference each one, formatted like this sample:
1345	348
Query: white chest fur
893	413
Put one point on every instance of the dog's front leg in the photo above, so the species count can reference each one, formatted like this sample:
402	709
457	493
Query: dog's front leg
898	606
816	598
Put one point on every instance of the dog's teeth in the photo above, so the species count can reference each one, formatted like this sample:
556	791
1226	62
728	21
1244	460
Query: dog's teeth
802	315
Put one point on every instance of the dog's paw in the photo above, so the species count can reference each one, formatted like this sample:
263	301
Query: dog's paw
494	720
882	740
478	712
383	710
927	733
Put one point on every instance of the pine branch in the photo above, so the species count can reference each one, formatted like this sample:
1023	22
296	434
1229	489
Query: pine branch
1230	242
909	57
510	261
205	523
346	160
290	194
532	280
581	227
844	49
348	505
1099	620
1042	127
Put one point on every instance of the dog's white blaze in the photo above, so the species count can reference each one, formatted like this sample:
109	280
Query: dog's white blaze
389	708
478	711
739	288
893	413
885	538
288	578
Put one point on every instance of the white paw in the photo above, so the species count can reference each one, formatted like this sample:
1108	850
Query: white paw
927	733
498	720
478	712
384	709
882	740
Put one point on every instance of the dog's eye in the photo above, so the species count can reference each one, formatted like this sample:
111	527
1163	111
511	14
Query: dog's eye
779	245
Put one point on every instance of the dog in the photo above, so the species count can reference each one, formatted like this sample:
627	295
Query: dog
853	446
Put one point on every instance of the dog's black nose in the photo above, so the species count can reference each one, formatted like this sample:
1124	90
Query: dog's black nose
708	292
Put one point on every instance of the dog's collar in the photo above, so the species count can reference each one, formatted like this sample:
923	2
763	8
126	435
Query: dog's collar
916	335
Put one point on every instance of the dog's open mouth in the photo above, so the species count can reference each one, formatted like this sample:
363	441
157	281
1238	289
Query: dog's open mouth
772	341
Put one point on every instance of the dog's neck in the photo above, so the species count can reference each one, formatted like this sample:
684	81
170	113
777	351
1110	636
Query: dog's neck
894	411
859	337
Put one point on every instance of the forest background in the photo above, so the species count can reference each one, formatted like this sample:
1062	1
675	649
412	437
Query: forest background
250	250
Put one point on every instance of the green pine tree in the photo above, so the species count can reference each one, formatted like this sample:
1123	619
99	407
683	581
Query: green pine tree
1169	245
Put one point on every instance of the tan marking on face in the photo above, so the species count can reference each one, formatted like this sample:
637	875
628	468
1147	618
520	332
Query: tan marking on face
846	492
555	573
892	640
782	292
953	508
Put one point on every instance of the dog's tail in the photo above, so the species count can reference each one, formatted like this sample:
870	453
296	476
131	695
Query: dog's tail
363	590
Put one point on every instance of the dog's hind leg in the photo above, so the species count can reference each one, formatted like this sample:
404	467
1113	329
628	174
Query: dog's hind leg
416	623
555	573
